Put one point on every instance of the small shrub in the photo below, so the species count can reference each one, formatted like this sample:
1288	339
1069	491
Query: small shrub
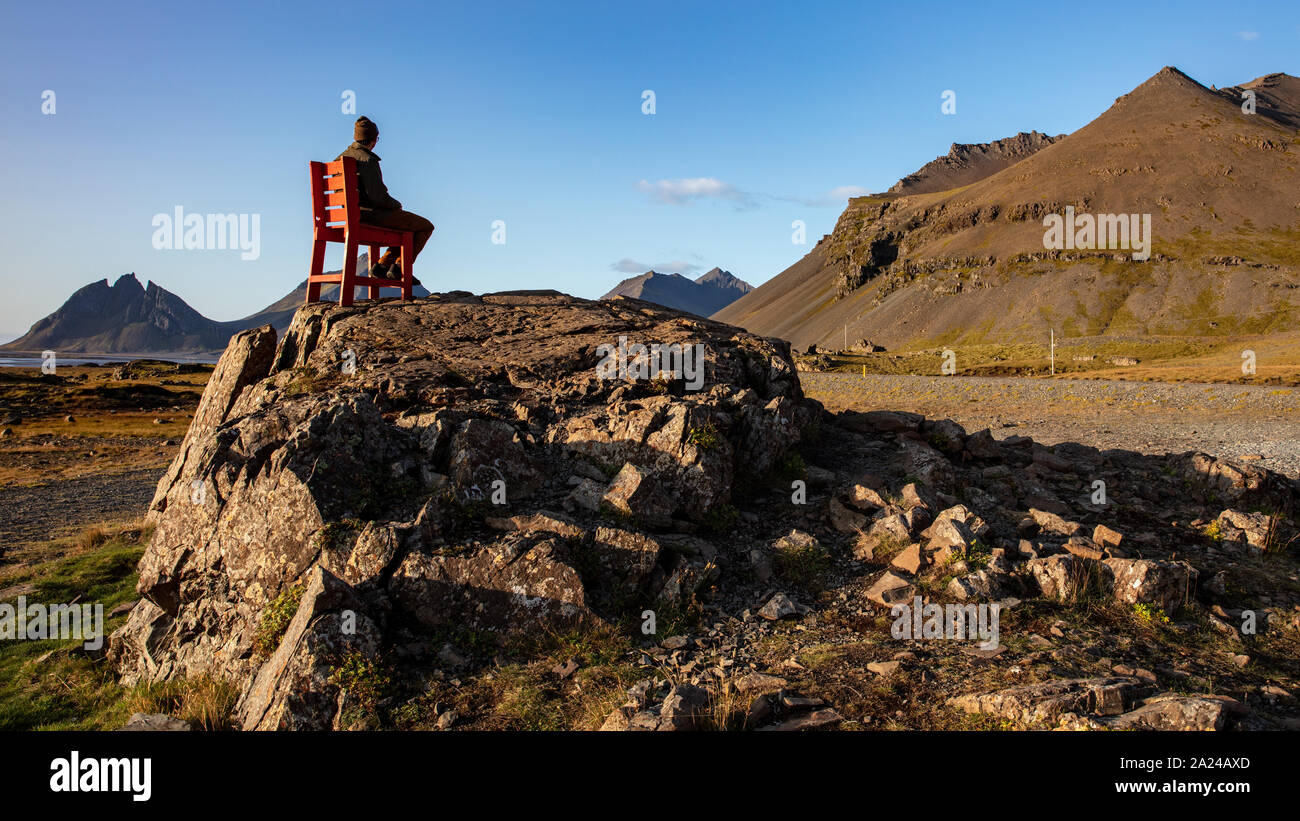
791	467
720	519
1149	614
659	386
705	437
978	555
275	620
365	682
803	565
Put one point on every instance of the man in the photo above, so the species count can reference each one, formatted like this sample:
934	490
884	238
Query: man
378	207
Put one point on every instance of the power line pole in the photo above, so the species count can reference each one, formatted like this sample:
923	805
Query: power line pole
1052	333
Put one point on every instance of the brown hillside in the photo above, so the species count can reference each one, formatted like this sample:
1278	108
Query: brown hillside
1222	188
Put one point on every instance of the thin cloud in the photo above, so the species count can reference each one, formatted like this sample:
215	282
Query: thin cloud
627	265
677	266
690	189
839	195
1248	35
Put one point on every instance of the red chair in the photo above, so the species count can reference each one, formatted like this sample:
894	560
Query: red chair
336	217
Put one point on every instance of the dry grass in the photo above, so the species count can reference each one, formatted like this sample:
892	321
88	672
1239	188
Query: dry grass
207	703
91	538
727	710
1160	359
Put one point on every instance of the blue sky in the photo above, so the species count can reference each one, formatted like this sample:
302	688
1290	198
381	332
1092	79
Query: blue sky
531	113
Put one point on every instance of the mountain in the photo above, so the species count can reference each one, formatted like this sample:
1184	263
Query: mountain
1221	188
132	319
708	293
125	318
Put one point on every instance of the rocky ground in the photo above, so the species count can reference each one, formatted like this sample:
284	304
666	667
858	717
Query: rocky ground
469	528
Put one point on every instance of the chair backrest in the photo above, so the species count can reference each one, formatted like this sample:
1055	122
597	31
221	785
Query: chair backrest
334	197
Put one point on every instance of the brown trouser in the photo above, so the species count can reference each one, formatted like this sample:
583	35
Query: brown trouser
400	220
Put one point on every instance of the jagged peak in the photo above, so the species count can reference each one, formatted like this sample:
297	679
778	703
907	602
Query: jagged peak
1025	138
127	281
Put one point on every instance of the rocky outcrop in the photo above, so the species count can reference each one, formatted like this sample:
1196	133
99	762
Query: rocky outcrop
968	163
397	468
1113	703
1047	702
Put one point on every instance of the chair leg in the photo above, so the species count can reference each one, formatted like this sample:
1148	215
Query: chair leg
408	264
374	257
317	268
348	286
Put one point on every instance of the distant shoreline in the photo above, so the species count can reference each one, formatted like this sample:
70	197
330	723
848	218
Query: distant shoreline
32	359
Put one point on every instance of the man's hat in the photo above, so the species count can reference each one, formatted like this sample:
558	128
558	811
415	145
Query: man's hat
365	130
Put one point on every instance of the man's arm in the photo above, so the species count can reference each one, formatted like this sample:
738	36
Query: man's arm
372	183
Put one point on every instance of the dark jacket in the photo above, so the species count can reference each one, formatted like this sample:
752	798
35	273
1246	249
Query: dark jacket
370	181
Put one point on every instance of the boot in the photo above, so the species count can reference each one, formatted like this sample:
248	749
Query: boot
383	267
396	273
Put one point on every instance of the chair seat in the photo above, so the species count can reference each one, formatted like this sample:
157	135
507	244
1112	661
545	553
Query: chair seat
364	234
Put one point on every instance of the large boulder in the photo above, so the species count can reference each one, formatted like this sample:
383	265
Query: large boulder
1164	584
359	458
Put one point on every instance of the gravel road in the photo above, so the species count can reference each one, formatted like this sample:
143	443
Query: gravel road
43	512
1151	417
